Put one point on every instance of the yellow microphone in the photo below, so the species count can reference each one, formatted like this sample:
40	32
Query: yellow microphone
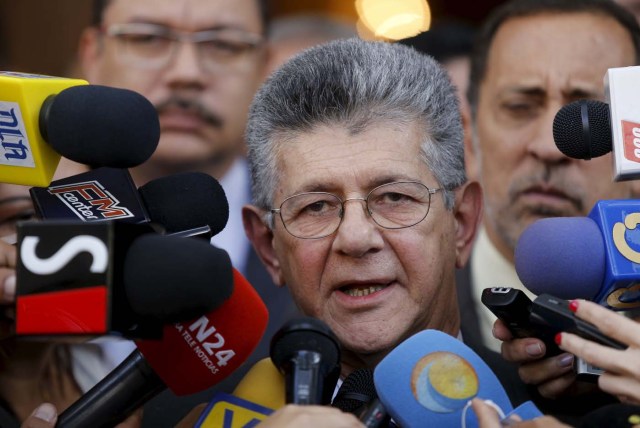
257	395
26	158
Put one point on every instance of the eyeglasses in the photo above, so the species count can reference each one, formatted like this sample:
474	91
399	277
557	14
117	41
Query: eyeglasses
152	46
394	205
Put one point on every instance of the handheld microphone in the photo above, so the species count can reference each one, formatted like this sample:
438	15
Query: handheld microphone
357	390
106	277
586	129
263	384
179	202
191	357
258	394
595	257
429	378
306	351
43	117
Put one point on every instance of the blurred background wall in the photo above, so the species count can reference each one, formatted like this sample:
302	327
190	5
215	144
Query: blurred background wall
40	36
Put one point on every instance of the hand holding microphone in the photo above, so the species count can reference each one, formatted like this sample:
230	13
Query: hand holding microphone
622	373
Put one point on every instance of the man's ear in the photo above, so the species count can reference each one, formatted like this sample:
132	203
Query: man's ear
468	214
261	238
89	52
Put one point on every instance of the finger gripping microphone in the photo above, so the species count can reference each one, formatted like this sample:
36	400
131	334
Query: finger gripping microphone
595	257
191	357
306	351
582	129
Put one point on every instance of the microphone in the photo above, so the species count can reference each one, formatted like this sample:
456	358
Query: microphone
358	395
43	117
263	384
357	390
191	357
307	353
595	257
178	202
586	129
582	129
258	394
429	379
106	277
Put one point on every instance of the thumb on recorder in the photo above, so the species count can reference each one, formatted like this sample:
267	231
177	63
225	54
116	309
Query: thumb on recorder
622	372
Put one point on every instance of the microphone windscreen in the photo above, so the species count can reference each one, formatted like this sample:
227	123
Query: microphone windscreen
356	391
185	201
582	129
102	126
174	279
429	378
562	256
195	355
304	334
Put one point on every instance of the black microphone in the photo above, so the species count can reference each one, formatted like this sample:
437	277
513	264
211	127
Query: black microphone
77	278
356	391
306	351
179	202
582	129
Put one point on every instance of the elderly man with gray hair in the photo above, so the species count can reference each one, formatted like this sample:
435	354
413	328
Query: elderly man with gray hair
362	206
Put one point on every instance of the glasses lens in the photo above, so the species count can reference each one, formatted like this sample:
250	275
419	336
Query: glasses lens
398	205
143	45
311	215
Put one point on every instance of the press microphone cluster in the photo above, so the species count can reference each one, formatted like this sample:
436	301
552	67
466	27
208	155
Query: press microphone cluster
43	117
191	357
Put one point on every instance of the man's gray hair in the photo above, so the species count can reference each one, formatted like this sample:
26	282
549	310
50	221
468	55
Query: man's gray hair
353	83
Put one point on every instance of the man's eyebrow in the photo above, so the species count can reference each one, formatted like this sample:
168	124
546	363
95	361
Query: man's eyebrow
164	24
332	187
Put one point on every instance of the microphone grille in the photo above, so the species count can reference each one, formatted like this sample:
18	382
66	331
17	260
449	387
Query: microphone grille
304	334
357	390
569	133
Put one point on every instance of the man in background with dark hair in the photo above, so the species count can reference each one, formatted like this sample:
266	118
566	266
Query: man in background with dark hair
531	58
199	62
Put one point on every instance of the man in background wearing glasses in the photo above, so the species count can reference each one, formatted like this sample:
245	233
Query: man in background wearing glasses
199	62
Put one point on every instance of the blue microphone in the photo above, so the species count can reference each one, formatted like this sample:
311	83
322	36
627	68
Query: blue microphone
595	257
430	378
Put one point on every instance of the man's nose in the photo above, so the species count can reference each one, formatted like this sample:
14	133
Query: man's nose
186	66
358	234
542	146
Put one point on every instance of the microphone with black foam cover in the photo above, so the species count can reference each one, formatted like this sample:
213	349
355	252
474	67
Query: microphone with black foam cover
110	277
595	257
191	357
582	129
182	204
429	379
306	351
43	117
184	201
